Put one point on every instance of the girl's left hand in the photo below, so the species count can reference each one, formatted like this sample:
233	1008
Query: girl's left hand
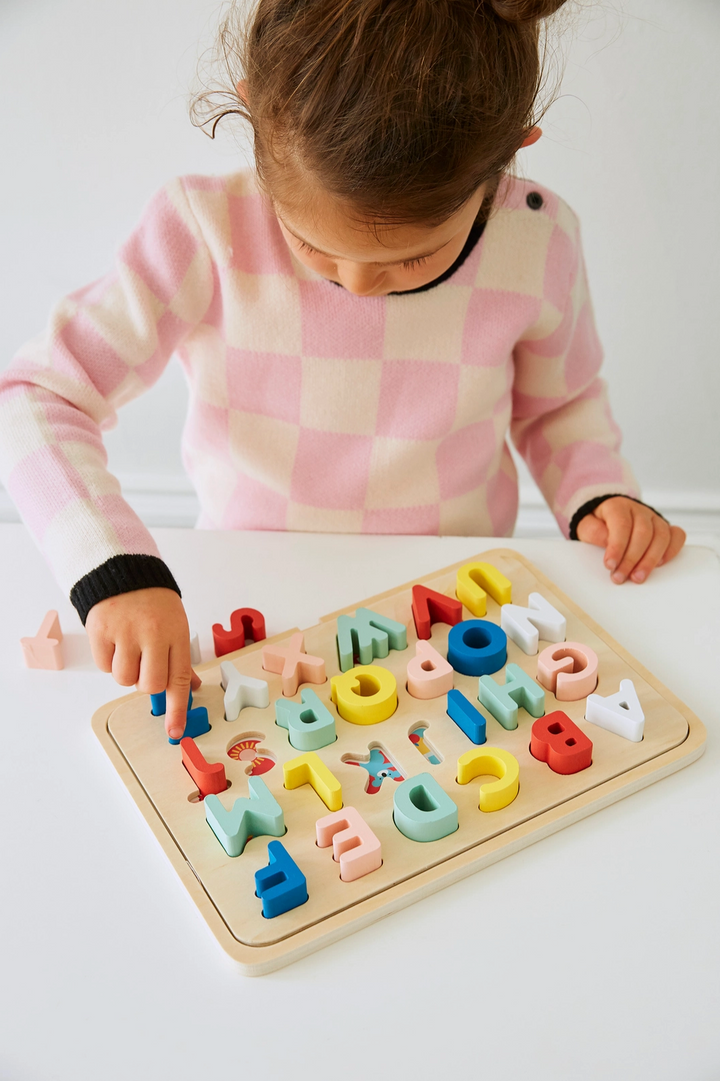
634	537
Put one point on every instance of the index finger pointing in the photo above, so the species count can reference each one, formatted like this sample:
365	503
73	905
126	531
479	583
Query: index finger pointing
178	691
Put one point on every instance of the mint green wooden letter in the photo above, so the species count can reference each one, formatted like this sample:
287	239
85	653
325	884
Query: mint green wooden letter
261	814
368	634
422	810
310	725
519	690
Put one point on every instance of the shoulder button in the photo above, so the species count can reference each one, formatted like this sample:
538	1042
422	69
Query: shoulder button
534	200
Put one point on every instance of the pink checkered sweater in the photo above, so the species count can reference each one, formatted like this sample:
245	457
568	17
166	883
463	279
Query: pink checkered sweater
311	408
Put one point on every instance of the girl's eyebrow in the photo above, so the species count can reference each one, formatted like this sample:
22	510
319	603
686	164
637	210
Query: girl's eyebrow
396	262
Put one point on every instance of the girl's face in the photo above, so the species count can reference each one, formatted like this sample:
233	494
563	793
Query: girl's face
398	258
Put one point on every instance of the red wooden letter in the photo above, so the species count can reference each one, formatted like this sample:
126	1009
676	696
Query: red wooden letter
429	606
209	778
243	621
557	740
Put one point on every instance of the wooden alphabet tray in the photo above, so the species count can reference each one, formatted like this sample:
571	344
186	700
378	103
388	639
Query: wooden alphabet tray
370	762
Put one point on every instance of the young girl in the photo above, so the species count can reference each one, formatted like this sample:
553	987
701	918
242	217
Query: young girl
362	323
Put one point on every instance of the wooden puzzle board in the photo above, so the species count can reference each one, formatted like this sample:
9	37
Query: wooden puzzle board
223	887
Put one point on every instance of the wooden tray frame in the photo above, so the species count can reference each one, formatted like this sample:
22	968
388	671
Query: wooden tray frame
257	960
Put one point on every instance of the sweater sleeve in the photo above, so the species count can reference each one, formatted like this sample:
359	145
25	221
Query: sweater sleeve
105	344
561	420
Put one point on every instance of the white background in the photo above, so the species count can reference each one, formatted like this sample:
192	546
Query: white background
94	118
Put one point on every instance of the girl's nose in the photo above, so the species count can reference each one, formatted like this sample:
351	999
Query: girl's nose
359	278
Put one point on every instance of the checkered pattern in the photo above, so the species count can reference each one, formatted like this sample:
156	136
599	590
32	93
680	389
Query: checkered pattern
311	408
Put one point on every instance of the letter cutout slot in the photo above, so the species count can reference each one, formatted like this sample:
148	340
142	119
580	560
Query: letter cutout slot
379	767
416	735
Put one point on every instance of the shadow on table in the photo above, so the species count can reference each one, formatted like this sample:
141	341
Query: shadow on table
76	652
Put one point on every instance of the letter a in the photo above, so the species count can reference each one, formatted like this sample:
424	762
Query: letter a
621	713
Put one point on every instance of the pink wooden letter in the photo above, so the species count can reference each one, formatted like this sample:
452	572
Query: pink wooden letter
428	673
294	664
569	670
44	650
355	846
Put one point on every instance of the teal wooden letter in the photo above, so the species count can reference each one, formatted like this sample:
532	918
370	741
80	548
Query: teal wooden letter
519	690
422	810
368	634
261	814
310	725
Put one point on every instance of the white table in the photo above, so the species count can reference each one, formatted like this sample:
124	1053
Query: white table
593	954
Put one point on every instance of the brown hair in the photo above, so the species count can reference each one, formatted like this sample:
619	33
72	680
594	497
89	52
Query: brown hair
400	109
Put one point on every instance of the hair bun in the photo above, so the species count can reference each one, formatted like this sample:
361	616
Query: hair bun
525	11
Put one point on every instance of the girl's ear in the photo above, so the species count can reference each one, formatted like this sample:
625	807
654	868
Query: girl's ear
532	137
242	91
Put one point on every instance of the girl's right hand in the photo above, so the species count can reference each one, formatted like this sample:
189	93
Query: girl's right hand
143	638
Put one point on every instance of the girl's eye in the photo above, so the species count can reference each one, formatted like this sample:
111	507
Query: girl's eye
412	263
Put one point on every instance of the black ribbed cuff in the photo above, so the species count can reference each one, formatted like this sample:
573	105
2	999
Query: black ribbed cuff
120	574
589	507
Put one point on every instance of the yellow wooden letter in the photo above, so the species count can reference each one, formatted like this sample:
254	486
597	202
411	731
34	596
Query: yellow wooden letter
474	579
310	769
366	694
499	763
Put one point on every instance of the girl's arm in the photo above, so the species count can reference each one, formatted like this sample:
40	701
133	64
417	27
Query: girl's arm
105	344
563	427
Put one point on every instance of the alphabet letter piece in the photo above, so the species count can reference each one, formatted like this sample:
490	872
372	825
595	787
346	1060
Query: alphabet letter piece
570	671
243	622
621	713
209	777
430	607
526	625
557	740
474	579
294	664
477	647
241	691
366	694
519	690
260	814
281	886
310	725
369	635
498	763
469	719
428	673
355	846
310	769
45	649
422	810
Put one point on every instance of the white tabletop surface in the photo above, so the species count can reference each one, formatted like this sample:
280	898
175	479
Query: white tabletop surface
594	954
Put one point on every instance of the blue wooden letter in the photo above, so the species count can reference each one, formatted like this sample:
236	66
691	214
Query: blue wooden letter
476	647
466	717
281	885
